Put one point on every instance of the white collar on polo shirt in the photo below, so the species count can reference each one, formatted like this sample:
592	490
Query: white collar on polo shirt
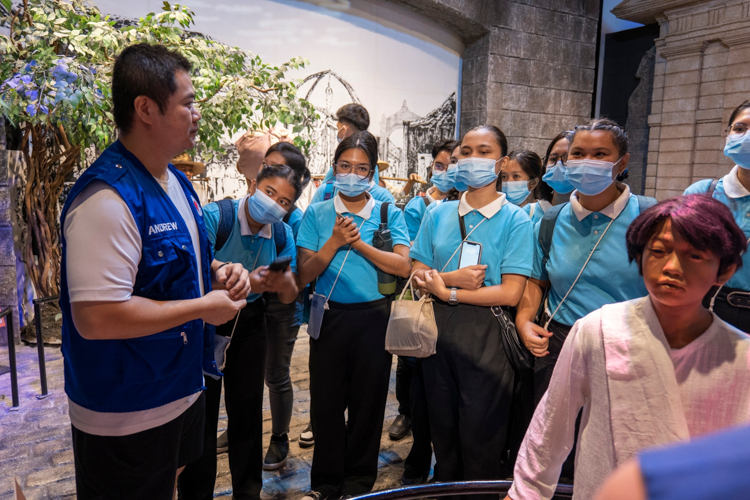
612	210
429	196
732	185
488	211
366	211
265	232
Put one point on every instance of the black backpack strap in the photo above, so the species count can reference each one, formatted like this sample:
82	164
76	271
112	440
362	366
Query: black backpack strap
547	229
226	223
645	202
426	200
279	236
289	214
712	188
384	212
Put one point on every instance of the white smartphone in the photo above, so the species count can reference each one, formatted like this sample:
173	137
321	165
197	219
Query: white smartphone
471	254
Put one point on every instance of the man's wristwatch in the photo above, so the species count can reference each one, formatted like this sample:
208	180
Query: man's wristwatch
453	300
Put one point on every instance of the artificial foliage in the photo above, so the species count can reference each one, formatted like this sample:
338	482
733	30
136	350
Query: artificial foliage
55	86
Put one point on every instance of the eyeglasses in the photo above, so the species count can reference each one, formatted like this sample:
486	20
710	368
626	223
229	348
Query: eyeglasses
362	170
737	129
553	159
439	167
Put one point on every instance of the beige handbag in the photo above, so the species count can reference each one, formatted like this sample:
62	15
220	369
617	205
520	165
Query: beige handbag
412	330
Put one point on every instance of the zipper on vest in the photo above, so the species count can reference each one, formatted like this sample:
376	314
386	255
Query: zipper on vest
184	338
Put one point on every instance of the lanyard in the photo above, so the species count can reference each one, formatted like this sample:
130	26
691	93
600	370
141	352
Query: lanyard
464	237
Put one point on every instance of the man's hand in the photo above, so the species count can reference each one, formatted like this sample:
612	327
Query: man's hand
345	232
235	279
535	338
434	284
417	178
468	278
219	307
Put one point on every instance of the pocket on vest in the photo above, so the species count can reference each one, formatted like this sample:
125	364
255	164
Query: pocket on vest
155	357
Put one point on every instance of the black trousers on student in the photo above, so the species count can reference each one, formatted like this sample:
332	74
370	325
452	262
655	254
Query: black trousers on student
543	368
404	374
419	460
244	377
469	385
349	369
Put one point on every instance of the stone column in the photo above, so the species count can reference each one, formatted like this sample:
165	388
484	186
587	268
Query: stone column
7	256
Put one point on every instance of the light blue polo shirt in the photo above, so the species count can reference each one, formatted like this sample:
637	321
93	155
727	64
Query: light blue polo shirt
608	277
359	279
506	238
244	247
539	208
377	192
733	194
414	212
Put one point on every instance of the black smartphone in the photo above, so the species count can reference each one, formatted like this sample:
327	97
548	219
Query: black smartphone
471	254
280	264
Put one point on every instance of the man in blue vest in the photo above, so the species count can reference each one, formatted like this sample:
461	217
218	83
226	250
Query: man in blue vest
136	281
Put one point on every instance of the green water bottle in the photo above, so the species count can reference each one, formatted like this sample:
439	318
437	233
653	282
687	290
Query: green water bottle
381	240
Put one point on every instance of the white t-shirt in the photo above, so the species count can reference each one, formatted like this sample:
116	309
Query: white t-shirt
105	271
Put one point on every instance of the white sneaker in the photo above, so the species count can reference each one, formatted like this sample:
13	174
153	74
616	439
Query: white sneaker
306	437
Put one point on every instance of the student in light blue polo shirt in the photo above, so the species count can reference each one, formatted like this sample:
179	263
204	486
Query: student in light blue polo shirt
328	189
732	301
469	381
521	180
441	190
555	188
349	366
593	223
256	232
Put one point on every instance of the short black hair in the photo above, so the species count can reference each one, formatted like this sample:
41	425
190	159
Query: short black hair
444	145
619	136
354	114
284	172
144	69
736	111
363	140
293	158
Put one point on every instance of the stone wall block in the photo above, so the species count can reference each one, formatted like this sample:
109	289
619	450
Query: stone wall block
680	184
710	156
674	171
711	102
687	63
677	132
515	97
683	144
682	92
507	42
677	117
678	105
5	210
715	143
674	158
650	182
651	168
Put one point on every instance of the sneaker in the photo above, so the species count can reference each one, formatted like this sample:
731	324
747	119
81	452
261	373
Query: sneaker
399	429
307	438
222	443
314	495
277	452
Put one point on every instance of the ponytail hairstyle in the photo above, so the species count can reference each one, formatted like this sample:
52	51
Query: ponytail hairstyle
619	136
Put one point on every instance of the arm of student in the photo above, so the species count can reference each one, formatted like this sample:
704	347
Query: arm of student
507	293
396	262
550	435
140	317
533	336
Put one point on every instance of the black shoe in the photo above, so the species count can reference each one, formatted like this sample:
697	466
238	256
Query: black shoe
409	481
399	429
277	452
222	443
314	495
307	438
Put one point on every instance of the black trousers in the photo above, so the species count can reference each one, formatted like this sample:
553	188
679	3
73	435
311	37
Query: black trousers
349	369
543	368
404	374
244	377
469	386
419	460
137	466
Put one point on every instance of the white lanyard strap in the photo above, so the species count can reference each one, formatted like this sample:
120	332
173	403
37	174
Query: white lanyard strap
713	299
238	312
325	306
462	242
546	325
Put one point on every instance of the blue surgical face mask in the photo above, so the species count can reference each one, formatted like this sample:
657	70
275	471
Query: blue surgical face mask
516	191
590	177
738	149
555	178
476	172
442	181
351	185
263	209
459	185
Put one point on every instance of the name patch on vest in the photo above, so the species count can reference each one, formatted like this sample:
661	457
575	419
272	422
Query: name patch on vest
160	228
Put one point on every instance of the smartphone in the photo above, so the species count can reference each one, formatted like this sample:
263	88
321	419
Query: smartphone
280	265
471	254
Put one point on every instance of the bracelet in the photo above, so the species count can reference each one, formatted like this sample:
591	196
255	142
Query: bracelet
224	264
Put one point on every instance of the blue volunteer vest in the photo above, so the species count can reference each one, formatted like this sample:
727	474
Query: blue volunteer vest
147	372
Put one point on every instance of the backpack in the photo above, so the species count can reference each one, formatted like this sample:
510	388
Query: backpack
547	227
226	225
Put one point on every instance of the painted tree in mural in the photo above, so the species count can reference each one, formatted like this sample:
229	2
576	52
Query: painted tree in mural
55	73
